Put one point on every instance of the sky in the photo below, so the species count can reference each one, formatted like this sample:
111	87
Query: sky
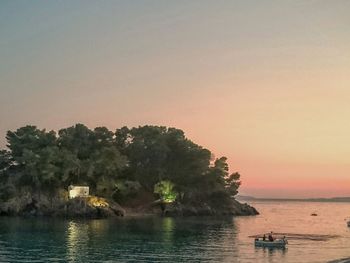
265	83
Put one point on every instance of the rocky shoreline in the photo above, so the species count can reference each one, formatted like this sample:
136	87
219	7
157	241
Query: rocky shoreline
97	207
233	209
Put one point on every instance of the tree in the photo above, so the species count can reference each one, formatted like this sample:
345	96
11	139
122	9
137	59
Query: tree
158	153
33	152
6	188
5	163
165	191
28	138
146	150
232	183
91	157
149	159
108	164
77	139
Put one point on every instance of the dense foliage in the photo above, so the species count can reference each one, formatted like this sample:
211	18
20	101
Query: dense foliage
151	159
166	191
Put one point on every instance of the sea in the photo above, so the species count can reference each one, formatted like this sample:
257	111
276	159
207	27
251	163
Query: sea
321	238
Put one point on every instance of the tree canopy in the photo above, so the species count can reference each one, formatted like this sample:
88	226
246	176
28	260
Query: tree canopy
156	159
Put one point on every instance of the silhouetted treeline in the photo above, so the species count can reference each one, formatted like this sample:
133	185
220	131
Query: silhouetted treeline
114	164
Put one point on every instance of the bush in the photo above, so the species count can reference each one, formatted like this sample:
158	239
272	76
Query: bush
126	189
165	190
7	191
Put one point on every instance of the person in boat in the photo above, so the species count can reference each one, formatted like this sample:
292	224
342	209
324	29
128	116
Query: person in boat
264	237
270	237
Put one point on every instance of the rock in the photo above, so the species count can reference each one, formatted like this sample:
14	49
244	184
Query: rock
235	208
89	207
117	209
243	209
93	207
26	204
16	205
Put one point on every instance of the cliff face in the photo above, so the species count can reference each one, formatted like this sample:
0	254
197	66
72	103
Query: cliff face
97	207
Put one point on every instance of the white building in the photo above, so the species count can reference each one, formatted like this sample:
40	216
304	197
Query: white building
78	191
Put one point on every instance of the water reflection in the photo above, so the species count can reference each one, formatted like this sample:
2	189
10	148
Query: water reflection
77	237
272	252
178	239
168	225
123	240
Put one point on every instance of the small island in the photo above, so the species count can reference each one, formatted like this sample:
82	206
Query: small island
132	171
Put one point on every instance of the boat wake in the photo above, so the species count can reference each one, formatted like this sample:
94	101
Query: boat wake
296	236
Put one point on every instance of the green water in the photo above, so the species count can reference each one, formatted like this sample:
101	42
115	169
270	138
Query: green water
199	239
125	240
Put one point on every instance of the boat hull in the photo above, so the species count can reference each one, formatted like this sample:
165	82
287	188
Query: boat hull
276	243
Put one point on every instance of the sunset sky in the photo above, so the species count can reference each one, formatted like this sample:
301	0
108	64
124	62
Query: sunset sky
265	83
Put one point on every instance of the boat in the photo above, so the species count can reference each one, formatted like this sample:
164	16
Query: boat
278	243
348	223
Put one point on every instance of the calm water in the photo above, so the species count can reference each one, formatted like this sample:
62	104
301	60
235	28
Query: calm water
180	240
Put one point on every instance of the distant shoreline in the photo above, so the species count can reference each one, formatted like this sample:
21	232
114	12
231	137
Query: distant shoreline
325	200
343	260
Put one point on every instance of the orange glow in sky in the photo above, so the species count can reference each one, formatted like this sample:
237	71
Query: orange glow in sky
265	84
